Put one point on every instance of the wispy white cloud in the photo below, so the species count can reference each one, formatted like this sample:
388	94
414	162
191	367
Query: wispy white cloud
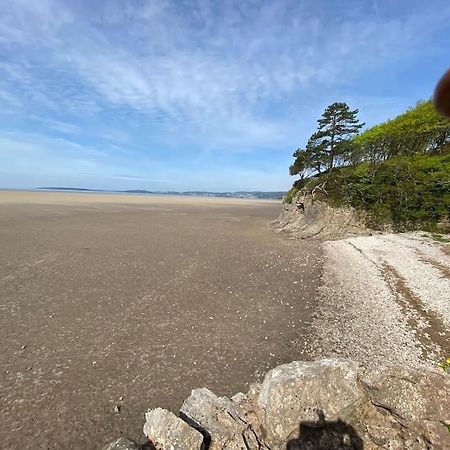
39	150
203	60
205	75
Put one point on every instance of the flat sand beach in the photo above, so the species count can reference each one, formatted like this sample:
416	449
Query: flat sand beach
113	304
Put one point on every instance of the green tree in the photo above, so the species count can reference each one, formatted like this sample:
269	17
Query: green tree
308	160
337	126
300	165
331	144
418	131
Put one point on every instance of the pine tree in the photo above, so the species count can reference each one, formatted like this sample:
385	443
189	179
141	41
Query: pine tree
331	144
337	126
308	160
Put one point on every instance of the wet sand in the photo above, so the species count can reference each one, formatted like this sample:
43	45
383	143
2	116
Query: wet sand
132	301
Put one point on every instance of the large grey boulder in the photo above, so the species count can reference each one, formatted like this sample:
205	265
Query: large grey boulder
222	421
400	408
306	392
417	400
168	432
410	394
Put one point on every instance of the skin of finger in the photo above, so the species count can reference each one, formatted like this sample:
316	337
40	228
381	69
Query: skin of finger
442	95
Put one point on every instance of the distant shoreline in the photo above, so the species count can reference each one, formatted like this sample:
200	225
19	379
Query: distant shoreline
40	196
255	195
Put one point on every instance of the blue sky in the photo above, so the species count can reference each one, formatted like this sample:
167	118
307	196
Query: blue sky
209	95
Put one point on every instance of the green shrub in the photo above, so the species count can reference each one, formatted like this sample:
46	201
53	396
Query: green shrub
290	195
408	192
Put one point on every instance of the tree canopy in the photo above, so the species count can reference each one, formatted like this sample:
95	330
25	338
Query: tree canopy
337	142
331	144
418	131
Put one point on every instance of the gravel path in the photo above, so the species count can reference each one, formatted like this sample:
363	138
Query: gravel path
384	298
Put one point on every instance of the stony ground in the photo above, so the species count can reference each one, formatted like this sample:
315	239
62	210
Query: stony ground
384	299
111	305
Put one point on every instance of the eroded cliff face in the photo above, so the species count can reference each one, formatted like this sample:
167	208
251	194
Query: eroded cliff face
320	220
323	404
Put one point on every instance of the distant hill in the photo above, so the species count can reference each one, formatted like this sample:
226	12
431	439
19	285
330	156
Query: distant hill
57	188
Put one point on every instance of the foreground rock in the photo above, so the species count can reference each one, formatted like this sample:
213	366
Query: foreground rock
315	405
303	392
165	430
222	421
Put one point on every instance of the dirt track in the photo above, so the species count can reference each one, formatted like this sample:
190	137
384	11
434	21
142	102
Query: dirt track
132	301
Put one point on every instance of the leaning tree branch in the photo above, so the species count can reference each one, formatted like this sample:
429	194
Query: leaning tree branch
319	187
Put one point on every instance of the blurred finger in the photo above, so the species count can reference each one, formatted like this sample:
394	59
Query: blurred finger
442	95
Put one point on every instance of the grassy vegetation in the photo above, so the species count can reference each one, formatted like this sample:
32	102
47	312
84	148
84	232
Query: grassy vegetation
419	130
408	192
438	237
290	195
445	365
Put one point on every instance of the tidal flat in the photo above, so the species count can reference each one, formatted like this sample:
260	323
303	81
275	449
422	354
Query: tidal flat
114	304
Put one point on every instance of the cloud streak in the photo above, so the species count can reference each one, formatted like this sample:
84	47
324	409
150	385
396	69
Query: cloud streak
196	62
219	76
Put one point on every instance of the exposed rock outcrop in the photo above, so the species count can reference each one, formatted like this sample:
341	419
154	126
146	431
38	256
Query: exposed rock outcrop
320	220
315	405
